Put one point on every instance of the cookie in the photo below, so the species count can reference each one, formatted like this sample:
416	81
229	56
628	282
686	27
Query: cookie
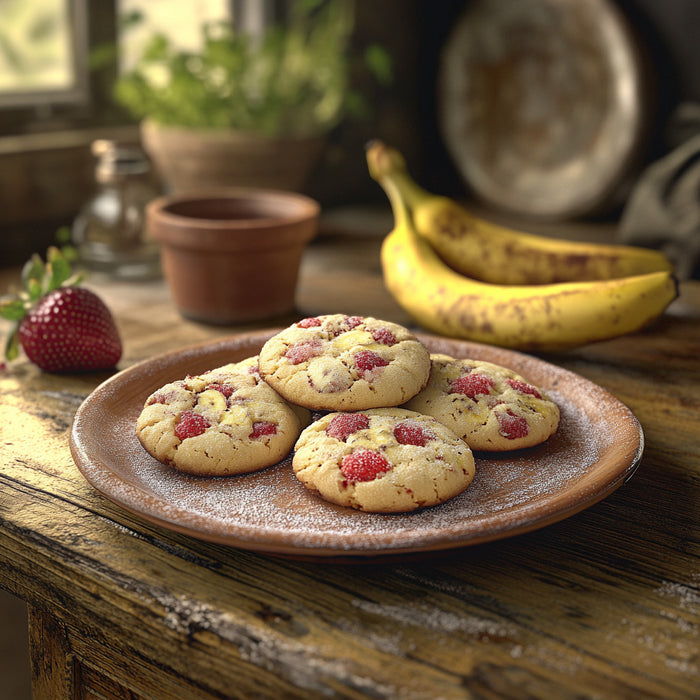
225	421
382	460
490	407
345	363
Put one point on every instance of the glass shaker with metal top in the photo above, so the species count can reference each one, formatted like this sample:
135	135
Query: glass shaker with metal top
109	232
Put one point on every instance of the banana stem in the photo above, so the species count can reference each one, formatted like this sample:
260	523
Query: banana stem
402	215
388	167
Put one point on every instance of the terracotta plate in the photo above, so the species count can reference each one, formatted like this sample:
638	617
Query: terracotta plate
597	447
543	104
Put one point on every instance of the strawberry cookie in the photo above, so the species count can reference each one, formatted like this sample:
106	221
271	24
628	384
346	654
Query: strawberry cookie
382	460
490	407
225	421
345	363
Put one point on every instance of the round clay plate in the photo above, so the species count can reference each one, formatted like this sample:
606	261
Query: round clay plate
542	104
597	447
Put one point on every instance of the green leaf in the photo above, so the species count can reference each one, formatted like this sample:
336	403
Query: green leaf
33	270
70	253
63	235
157	48
379	63
102	55
74	280
35	289
64	238
13	309
131	19
12	345
59	268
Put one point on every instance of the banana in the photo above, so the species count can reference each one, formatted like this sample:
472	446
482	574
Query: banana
528	317
493	253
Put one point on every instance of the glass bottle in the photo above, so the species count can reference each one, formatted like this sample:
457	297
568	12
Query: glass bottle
109	232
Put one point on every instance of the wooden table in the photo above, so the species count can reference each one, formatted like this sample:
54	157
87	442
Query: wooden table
604	604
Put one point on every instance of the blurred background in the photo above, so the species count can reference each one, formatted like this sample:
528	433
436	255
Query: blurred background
540	111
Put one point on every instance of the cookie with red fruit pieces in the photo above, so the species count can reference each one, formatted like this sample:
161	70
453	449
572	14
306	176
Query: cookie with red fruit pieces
222	422
345	363
61	326
382	460
490	407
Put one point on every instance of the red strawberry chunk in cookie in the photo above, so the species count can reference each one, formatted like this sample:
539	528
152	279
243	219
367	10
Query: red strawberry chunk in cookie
366	360
190	425
472	385
261	428
225	389
348	324
165	395
512	426
523	387
309	322
354	321
160	397
345	424
364	465
384	336
411	433
302	352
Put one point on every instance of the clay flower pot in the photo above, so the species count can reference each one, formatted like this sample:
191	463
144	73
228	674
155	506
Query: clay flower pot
233	255
189	159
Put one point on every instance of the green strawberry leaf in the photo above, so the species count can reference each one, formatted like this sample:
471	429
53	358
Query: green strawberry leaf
33	270
12	345
74	280
13	309
59	268
35	289
63	235
70	253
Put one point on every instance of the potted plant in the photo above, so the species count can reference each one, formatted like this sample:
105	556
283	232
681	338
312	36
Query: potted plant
247	110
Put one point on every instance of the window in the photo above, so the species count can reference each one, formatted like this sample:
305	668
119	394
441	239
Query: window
43	52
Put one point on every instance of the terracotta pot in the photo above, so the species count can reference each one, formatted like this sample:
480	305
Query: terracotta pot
233	255
188	160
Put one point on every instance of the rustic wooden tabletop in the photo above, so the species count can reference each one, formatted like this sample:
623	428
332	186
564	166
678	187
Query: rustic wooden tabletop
603	604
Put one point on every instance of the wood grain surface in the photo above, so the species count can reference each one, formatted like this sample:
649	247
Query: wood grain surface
603	604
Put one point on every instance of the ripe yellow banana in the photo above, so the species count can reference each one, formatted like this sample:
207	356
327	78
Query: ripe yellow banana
527	317
492	253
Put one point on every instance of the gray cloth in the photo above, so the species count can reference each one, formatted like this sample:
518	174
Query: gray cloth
663	210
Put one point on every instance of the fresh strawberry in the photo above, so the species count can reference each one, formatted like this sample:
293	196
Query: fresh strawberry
60	326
